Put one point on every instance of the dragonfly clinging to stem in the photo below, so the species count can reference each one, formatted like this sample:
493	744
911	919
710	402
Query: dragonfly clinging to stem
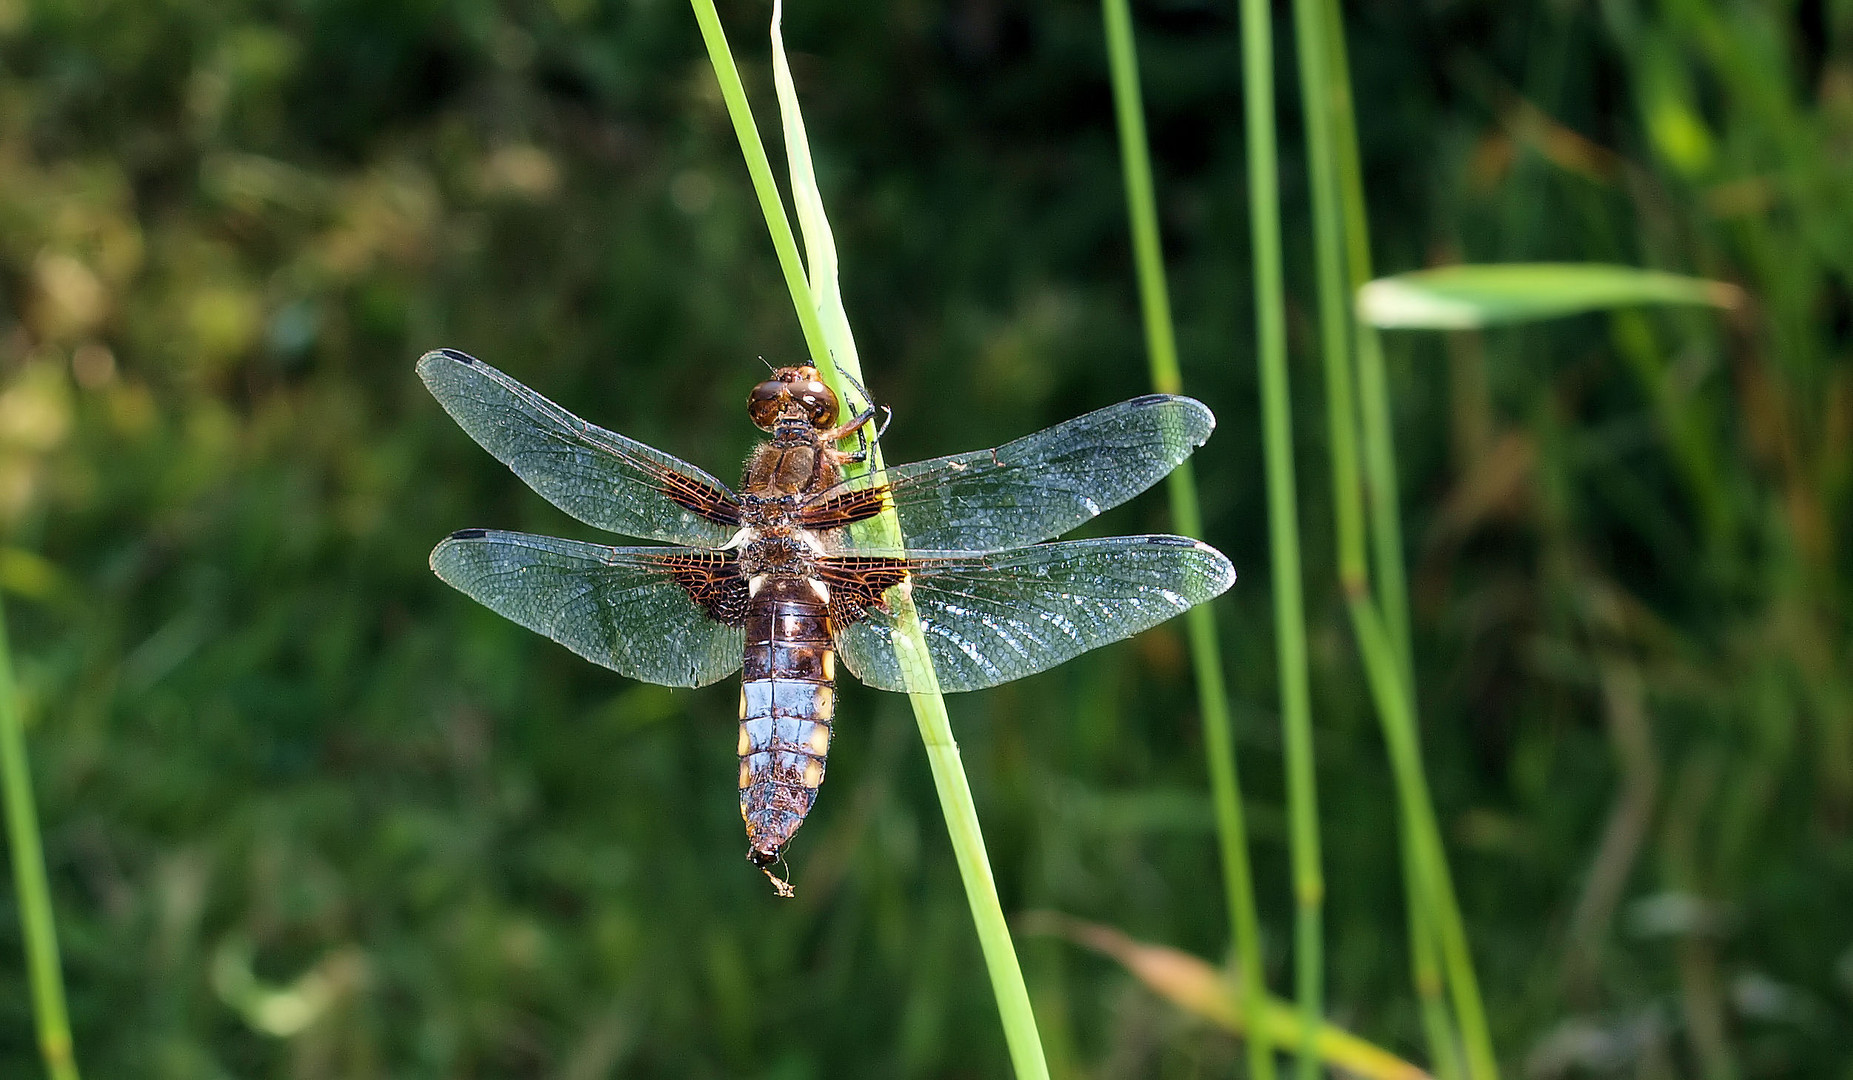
770	581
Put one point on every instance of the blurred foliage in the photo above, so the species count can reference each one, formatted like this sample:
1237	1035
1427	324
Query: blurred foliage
310	814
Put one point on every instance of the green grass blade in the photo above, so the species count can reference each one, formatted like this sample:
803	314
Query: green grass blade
1389	577
1277	446
1347	500
1384	517
824	295
1425	968
1463	297
740	111
1392	696
35	910
820	306
1141	202
1205	644
1329	260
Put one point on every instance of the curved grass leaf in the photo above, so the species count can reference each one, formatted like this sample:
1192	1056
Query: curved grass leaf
1200	988
1464	297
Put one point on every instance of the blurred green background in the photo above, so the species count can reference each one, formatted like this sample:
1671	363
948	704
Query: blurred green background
309	813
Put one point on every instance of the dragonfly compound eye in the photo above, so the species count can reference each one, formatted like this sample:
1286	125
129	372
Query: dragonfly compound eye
819	403
766	401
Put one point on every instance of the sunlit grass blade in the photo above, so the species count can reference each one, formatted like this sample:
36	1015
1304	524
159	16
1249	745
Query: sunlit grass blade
1463	297
1388	579
820	306
1339	211
1283	523
34	892
733	92
1423	833
1383	518
1200	988
1205	646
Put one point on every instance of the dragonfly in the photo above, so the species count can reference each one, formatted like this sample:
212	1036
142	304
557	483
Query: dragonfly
770	580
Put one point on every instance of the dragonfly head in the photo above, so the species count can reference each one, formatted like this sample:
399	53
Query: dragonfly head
792	397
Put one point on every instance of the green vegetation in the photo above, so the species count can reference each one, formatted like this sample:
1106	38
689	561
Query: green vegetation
307	813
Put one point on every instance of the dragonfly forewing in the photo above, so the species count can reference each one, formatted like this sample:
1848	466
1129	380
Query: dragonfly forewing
598	476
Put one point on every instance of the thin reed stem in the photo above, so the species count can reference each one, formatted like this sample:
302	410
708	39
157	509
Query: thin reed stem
1283	523
1328	250
820	308
1310	26
1435	917
1380	483
1205	646
1385	674
1425	968
733	92
1384	522
34	893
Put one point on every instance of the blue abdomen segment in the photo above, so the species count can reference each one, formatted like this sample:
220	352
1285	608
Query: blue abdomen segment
787	702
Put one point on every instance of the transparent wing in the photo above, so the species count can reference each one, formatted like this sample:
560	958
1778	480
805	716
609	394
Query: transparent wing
598	476
663	615
991	618
1041	485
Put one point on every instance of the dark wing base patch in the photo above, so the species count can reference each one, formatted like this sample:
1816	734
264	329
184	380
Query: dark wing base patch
712	580
845	508
858	583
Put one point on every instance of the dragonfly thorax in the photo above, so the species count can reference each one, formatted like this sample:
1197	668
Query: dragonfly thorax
781	470
793	555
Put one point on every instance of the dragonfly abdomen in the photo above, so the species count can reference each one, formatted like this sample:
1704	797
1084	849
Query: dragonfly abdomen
787	700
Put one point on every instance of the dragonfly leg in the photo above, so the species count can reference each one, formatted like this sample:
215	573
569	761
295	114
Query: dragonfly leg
887	415
859	426
860	389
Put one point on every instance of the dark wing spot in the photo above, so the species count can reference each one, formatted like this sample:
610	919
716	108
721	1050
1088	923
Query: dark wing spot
459	357
469	534
713	582
1150	399
845	509
858	583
